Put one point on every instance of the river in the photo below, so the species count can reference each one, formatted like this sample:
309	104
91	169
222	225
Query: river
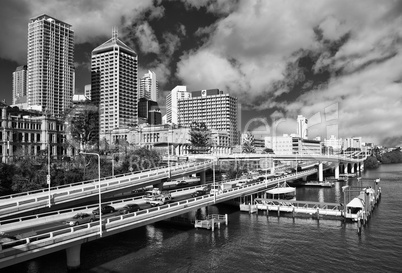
254	243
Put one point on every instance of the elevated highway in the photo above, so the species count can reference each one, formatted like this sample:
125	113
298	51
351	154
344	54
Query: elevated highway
30	201
71	238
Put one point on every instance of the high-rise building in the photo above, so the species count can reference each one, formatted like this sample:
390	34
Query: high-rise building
149	86
20	85
302	126
50	64
177	93
87	91
114	85
216	109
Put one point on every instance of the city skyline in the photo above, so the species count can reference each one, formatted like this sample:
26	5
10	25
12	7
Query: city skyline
335	62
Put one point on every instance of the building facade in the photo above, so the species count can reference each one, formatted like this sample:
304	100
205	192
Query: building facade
50	65
87	91
286	145
26	133
149	86
114	87
177	93
335	143
302	127
216	109
20	85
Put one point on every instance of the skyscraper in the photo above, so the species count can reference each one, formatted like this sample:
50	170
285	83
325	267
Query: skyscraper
20	85
114	85
149	86
177	93
301	126
50	64
216	109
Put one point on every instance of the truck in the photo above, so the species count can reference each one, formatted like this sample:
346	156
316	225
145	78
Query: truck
156	197
220	188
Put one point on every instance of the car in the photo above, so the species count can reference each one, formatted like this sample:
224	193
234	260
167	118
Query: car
129	208
105	209
241	183
199	192
79	219
181	183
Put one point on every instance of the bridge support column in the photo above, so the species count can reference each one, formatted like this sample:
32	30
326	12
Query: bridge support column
73	257
320	172
304	178
352	170
273	167
337	172
345	168
203	178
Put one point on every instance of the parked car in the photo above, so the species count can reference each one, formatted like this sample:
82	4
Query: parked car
79	219
105	209
129	208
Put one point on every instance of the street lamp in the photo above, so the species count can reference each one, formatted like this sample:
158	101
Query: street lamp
168	144
99	191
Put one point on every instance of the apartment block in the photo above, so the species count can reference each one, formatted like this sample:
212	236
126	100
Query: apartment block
50	65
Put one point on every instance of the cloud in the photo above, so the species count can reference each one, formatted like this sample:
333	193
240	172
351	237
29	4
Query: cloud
146	38
90	19
301	57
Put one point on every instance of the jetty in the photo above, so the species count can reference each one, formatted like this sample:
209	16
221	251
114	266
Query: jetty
212	221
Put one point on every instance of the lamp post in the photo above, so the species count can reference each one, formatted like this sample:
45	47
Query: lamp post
99	191
168	150
47	129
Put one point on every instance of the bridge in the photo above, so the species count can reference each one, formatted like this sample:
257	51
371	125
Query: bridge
71	238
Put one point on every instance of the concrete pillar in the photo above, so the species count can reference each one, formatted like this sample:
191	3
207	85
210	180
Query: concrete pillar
273	167
304	178
352	170
345	168
337	172
203	178
320	172
73	257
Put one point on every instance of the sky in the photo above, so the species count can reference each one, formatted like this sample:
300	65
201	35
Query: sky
337	62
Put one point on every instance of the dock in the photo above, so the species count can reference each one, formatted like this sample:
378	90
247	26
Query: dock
296	208
212	221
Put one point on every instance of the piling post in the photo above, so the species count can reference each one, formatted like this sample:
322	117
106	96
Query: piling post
213	224
267	210
279	210
249	208
293	212
226	219
318	213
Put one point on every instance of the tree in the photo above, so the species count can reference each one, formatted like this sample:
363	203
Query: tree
82	125
371	162
248	143
200	137
6	178
29	176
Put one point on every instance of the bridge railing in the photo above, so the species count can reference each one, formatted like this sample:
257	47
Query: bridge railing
91	229
108	185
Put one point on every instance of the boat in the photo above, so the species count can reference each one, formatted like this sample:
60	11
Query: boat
282	192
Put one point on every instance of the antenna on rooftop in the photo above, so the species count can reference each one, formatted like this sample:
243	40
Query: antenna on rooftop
115	32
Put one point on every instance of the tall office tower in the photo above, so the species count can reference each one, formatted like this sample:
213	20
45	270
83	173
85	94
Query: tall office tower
114	71
87	91
149	86
177	93
216	109
20	85
50	64
302	126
